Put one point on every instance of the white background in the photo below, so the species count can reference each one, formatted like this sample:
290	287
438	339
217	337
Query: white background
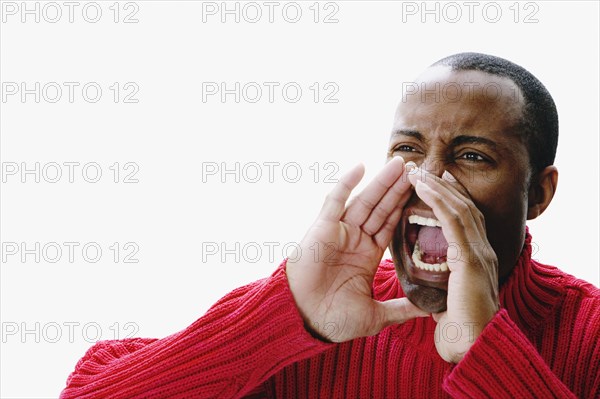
173	212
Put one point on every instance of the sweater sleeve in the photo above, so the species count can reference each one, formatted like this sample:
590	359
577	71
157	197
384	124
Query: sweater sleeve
502	363
246	337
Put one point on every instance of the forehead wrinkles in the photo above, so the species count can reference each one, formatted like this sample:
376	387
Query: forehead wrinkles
479	110
441	124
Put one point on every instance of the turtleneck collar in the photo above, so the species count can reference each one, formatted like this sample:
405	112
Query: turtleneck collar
531	291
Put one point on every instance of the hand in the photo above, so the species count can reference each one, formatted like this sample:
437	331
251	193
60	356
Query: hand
473	282
331	276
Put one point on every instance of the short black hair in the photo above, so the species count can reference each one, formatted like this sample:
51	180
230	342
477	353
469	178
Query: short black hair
540	118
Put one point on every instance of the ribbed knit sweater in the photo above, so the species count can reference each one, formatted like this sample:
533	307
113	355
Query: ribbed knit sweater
544	342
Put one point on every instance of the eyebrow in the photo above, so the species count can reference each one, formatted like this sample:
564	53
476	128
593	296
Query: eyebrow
464	139
410	133
458	140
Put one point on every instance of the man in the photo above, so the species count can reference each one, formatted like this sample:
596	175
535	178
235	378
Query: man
469	161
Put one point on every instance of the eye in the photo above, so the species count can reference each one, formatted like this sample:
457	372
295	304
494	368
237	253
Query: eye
405	148
473	157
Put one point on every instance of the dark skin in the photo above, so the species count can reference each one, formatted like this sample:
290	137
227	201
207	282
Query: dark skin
477	140
474	178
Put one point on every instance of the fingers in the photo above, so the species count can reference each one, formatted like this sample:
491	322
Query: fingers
384	235
463	225
446	184
399	310
396	197
452	224
450	203
335	203
370	198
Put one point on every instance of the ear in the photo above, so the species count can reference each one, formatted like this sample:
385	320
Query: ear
541	191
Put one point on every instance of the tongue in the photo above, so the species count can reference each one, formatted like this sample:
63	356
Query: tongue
433	245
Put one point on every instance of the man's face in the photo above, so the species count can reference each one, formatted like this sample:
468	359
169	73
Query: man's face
468	124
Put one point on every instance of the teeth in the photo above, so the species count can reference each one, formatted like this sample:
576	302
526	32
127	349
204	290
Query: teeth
423	221
416	257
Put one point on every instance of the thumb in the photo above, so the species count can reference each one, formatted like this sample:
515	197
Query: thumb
399	310
437	316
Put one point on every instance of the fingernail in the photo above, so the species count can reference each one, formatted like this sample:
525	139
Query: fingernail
399	156
411	168
448	176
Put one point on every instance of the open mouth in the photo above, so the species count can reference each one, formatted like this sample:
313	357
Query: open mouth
425	249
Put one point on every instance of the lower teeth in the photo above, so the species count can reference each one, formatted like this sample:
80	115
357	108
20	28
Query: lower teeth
437	267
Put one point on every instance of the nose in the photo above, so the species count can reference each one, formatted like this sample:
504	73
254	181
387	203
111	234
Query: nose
433	164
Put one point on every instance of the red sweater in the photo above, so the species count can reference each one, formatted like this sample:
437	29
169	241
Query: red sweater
544	342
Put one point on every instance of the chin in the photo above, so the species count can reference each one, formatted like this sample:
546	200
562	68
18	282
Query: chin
429	299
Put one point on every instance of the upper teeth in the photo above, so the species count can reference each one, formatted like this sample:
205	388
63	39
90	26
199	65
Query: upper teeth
423	221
